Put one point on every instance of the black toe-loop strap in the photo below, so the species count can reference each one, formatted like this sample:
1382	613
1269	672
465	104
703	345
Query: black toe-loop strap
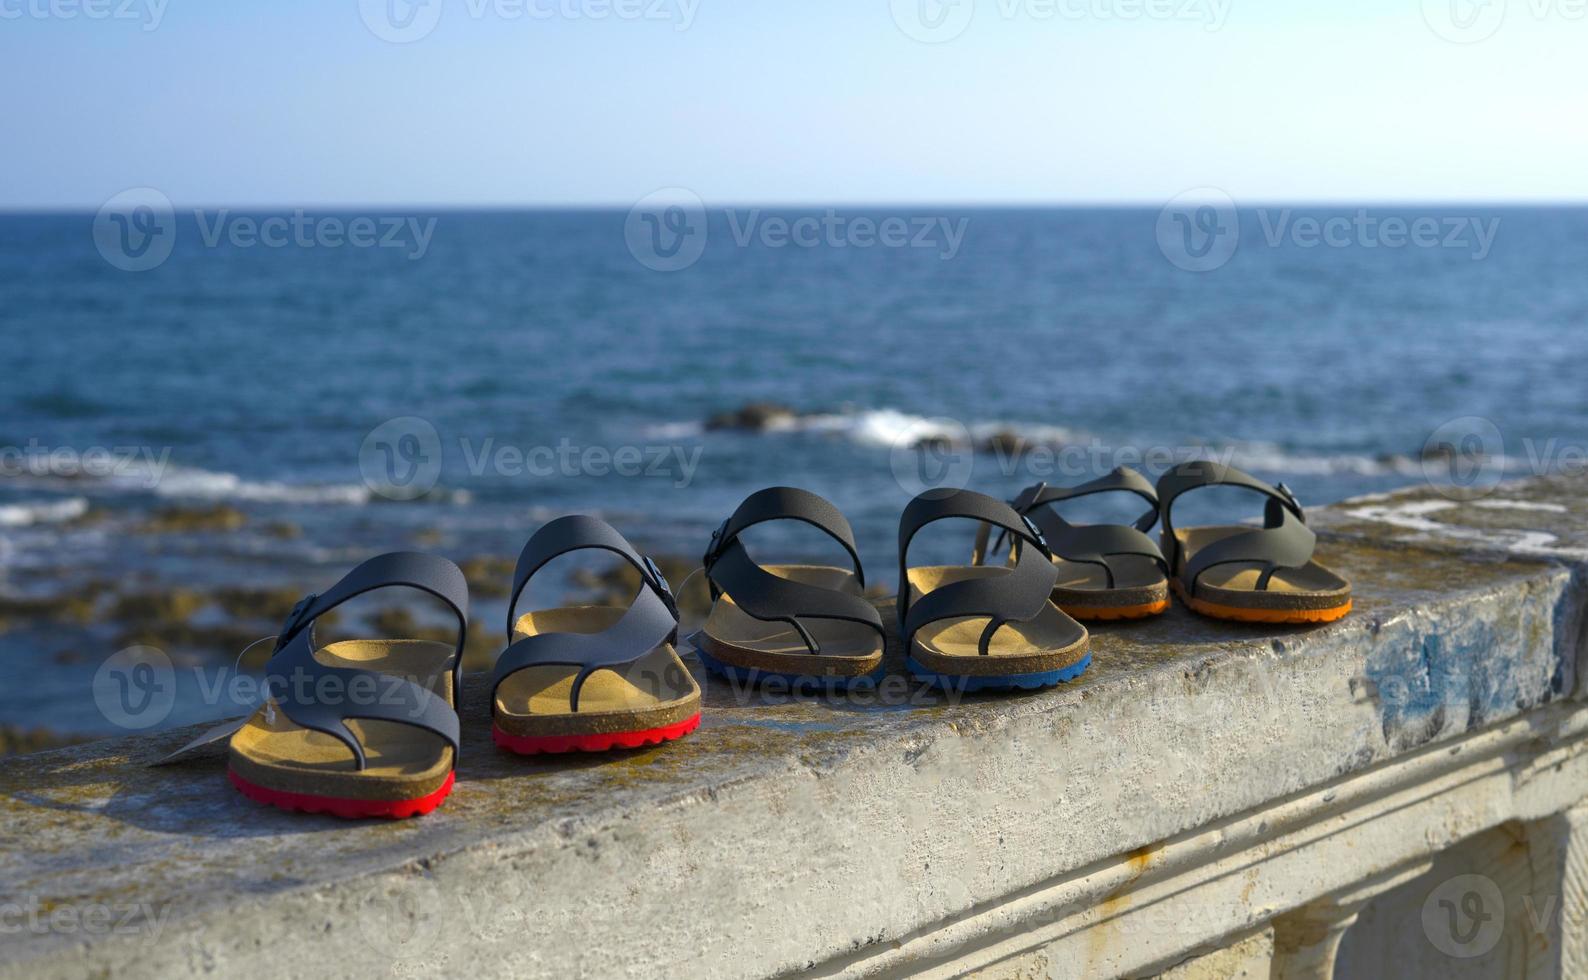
1096	544
1093	544
323	698
1287	545
730	570
1284	540
650	621
1010	595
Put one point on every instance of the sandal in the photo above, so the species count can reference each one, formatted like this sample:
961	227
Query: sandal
1106	571
358	728
1255	575
836	634
591	678
954	617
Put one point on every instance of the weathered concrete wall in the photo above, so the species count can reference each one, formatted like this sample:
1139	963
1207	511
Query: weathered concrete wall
1204	782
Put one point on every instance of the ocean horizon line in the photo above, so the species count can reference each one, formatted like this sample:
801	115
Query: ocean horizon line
72	211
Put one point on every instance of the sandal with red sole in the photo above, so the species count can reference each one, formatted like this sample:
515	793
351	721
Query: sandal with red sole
591	678
358	728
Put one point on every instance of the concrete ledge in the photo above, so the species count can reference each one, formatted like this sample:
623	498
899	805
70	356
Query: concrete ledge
1204	781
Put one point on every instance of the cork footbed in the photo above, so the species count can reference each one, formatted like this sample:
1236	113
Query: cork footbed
1052	641
654	691
404	762
1140	588
1312	593
734	637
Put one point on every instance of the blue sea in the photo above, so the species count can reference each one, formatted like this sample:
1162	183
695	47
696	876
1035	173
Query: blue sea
508	367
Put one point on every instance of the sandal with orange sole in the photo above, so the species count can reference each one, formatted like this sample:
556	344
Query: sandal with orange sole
1243	573
358	728
1106	571
591	678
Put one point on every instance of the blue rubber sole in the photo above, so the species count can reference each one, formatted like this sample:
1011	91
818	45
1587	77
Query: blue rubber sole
755	675
1005	682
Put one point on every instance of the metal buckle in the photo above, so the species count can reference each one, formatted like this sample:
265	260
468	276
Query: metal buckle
714	550
296	619
659	582
1036	534
1291	498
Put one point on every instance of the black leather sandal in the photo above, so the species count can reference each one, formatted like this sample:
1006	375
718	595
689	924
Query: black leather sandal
792	622
591	678
358	728
1106	571
1254	575
984	627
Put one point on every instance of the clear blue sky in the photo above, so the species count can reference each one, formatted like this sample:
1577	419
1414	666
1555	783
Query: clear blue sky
298	102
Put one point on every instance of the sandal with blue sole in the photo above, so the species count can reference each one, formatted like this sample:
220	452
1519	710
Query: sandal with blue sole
981	627
791	623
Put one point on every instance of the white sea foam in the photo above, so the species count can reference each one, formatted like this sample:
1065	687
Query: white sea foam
42	512
194	483
675	430
885	428
199	484
1269	458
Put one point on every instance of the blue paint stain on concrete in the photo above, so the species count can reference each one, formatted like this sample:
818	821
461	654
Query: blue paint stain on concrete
1456	676
1566	621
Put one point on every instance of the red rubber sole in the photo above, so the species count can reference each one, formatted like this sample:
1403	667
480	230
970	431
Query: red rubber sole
537	744
349	809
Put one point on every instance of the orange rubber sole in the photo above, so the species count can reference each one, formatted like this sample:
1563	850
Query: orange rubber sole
348	809
1117	612
538	744
1242	614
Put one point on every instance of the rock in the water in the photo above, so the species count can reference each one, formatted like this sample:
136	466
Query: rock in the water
284	530
15	740
754	417
934	443
489	575
616	585
173	520
147	608
1006	443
